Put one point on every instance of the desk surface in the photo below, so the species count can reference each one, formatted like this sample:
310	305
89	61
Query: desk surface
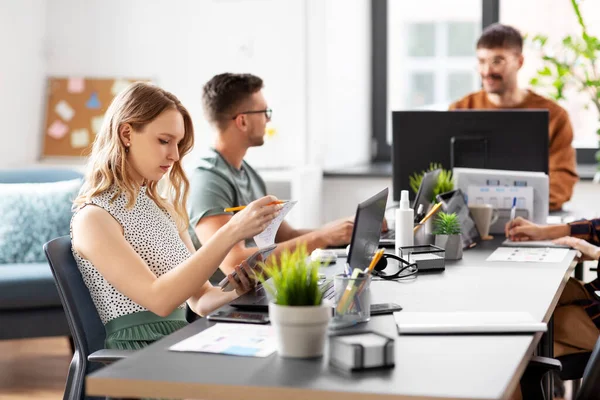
441	366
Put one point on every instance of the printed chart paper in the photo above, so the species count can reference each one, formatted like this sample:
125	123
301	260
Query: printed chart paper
528	254
267	237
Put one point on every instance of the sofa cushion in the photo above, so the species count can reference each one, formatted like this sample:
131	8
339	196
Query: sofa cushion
31	214
28	285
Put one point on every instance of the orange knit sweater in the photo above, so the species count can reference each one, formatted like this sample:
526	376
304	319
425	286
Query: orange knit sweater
563	175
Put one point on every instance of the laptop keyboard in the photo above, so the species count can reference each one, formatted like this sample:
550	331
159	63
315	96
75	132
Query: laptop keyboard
326	287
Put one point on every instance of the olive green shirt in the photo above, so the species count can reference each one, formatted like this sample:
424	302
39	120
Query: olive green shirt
216	185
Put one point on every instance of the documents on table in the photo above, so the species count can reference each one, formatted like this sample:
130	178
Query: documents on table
534	243
528	254
232	339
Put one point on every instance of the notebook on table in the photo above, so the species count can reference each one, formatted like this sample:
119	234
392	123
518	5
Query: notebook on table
466	322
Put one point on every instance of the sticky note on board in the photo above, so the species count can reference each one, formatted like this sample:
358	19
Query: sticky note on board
80	138
75	85
64	110
57	130
119	86
93	102
97	123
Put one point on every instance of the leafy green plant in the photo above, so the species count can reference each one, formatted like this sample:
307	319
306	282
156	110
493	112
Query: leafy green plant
571	64
445	180
446	224
295	278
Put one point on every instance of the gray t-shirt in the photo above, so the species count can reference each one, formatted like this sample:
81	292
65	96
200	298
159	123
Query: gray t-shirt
216	185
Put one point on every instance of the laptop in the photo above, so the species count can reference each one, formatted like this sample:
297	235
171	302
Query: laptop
363	245
423	197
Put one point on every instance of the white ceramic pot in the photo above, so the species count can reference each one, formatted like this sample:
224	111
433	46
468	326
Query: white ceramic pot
300	331
452	244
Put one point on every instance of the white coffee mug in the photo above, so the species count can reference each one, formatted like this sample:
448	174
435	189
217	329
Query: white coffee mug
484	215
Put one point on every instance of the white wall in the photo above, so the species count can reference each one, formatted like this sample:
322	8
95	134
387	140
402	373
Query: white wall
316	70
22	68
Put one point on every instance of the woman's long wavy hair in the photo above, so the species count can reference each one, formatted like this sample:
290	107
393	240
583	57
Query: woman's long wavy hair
138	105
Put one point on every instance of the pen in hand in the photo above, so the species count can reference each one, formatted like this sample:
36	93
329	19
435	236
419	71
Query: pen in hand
513	212
240	208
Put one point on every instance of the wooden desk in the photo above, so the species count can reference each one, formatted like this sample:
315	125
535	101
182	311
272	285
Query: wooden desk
427	367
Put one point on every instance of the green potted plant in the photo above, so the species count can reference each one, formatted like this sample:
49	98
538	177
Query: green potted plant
444	182
447	235
296	308
570	64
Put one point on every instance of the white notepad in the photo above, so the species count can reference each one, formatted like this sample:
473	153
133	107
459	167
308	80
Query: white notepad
466	322
534	243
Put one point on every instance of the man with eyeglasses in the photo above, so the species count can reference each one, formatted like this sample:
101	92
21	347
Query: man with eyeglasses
236	106
500	57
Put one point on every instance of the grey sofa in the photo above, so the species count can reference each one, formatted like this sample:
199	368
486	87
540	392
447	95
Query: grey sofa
29	302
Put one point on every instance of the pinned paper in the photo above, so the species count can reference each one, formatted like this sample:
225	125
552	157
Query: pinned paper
93	101
75	85
80	138
119	86
270	131
57	130
65	111
97	124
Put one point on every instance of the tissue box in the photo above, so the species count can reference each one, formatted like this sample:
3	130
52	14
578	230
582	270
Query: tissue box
361	350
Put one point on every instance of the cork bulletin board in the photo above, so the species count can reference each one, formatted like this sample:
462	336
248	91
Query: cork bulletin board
75	109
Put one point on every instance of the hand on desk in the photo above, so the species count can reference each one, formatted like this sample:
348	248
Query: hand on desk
588	250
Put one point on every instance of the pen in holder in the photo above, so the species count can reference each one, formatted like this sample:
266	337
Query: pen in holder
424	235
352	298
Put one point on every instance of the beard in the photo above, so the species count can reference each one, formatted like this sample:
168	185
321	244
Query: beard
498	85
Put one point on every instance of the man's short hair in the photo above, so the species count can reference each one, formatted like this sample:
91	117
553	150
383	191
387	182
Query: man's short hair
500	36
223	94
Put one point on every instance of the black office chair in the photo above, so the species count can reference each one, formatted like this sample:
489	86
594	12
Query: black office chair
84	323
531	386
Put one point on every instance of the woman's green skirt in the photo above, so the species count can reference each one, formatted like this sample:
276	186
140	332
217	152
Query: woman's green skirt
138	330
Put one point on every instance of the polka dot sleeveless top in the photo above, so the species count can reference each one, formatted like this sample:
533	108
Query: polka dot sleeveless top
152	233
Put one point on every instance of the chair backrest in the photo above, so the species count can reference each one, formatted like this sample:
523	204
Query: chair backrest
590	388
85	324
37	175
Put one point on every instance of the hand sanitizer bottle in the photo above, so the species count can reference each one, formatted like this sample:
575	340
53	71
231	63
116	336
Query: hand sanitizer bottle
404	223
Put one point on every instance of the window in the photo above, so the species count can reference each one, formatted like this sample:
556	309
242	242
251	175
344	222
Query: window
423	57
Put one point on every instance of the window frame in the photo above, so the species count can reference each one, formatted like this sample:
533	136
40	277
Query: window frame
381	151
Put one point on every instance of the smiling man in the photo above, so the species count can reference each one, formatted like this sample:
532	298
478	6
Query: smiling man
500	57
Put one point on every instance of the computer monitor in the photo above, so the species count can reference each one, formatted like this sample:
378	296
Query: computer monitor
514	140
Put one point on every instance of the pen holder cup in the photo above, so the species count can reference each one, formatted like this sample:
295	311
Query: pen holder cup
424	234
352	298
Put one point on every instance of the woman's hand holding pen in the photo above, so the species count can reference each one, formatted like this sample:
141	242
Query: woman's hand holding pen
255	217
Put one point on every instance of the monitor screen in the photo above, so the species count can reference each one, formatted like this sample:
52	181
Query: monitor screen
514	140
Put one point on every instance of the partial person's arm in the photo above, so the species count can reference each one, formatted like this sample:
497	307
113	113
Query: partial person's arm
334	234
209	298
98	237
561	160
588	230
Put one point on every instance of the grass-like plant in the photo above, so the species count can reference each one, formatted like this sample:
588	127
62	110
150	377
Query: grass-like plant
444	184
295	278
446	224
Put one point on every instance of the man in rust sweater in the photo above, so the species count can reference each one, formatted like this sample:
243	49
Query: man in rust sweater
500	57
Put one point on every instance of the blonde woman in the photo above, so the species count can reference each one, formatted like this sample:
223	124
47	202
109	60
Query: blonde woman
131	245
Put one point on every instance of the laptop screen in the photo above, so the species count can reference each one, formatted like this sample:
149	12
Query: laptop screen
367	230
